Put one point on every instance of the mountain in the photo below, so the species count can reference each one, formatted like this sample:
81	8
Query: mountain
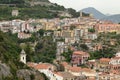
113	18
97	14
108	14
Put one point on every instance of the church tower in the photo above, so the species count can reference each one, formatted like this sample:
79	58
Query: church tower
81	14
23	57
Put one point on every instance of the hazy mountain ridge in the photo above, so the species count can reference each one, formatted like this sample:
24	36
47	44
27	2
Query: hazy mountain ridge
114	18
97	14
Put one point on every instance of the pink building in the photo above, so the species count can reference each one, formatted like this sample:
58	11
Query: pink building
107	27
79	57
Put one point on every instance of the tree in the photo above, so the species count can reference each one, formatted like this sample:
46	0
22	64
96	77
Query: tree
92	30
41	32
73	12
84	47
67	55
28	52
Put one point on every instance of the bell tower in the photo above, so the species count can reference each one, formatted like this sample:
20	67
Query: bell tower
23	57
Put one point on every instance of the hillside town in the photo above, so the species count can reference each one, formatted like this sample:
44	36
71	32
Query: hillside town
69	33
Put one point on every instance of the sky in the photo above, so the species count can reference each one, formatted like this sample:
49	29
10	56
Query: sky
104	6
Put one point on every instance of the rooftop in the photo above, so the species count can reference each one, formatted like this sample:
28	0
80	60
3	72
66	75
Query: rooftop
80	53
104	60
75	69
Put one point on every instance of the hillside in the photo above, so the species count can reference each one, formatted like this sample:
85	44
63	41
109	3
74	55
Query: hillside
10	65
32	9
97	14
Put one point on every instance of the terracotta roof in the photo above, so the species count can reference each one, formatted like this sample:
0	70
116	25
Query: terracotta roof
64	74
42	66
104	60
75	69
65	64
80	53
86	70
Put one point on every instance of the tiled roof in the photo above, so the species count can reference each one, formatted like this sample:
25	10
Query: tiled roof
104	60
80	53
64	64
42	66
64	74
75	69
86	70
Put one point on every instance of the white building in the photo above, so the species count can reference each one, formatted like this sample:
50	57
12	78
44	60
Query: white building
92	36
15	12
115	61
23	57
117	54
61	47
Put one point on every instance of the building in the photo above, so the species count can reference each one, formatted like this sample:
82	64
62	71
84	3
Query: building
81	32
60	50
117	54
23	57
64	14
115	63
15	12
92	36
22	35
47	69
91	64
64	76
6	27
75	70
104	64
79	57
107	27
89	73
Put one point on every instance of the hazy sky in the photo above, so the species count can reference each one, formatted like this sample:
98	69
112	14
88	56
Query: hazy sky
105	6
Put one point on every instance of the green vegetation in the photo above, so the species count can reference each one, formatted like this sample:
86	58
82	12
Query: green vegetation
67	55
45	50
92	30
26	11
84	47
12	1
73	12
108	49
107	53
9	54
